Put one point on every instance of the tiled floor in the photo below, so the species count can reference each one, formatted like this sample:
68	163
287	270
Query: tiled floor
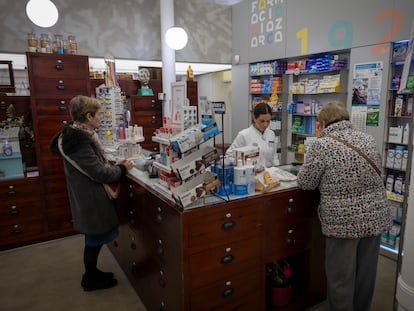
46	277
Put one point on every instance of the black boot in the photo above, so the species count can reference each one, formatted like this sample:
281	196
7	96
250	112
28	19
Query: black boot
93	277
90	283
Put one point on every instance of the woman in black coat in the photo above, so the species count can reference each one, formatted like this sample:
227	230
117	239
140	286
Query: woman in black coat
86	170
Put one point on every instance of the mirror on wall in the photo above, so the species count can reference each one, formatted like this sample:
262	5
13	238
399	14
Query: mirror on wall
6	77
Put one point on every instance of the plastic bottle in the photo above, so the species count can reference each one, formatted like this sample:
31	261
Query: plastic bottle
190	74
406	133
7	149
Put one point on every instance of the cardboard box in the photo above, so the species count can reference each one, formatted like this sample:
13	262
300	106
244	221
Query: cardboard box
395	134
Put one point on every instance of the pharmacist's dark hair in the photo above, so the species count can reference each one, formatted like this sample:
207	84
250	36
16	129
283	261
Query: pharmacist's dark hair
261	108
81	105
333	112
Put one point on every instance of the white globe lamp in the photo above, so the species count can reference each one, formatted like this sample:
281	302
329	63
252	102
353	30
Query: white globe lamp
42	13
176	38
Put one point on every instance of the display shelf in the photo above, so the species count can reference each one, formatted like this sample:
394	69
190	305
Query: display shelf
312	82
397	153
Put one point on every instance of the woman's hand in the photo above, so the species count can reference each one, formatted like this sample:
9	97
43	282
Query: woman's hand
127	163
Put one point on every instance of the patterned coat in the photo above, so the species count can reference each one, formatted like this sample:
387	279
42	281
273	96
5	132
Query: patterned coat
92	211
353	202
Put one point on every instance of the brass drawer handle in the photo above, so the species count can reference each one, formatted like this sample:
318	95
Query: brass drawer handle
227	259
59	67
17	230
228	292
14	211
228	225
11	193
62	108
160	249
60	86
158	218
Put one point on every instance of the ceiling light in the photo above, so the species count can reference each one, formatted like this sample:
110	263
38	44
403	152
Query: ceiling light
42	13
176	38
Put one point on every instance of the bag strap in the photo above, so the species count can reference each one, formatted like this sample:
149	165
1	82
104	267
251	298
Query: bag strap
358	151
73	163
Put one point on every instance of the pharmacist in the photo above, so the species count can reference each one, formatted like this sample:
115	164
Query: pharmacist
258	134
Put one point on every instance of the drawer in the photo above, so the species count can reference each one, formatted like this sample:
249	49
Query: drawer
287	207
56	87
21	231
147	104
148	119
19	190
54	106
224	261
164	248
19	211
215	226
227	293
285	239
60	66
158	217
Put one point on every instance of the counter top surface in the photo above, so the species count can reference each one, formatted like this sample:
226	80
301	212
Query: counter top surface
152	184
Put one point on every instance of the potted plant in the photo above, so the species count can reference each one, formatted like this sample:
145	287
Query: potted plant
279	282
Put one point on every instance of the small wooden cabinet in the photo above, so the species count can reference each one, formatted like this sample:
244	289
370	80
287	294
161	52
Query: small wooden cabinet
213	257
146	111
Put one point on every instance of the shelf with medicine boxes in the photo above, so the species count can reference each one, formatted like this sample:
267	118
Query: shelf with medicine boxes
268	85
182	163
313	82
398	146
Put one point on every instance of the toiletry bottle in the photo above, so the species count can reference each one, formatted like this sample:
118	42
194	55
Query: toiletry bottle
7	149
406	133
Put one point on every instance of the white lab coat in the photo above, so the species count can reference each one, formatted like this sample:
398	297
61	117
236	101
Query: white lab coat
252	137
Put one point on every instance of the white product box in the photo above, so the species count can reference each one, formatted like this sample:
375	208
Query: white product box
248	152
395	134
390	158
398	159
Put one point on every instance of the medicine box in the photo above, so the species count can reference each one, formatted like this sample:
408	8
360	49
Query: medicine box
395	134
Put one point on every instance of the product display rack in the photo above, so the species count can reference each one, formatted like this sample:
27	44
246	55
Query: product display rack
313	82
398	148
268	84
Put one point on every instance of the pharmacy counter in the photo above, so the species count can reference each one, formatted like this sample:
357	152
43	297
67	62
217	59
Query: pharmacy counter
212	255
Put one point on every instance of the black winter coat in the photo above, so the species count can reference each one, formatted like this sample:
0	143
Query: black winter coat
93	211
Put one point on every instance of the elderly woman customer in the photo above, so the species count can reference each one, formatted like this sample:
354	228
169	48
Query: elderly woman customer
343	163
86	168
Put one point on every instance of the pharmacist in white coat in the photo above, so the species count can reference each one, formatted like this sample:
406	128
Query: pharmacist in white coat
258	134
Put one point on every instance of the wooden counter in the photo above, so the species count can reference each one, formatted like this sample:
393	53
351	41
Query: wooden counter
213	257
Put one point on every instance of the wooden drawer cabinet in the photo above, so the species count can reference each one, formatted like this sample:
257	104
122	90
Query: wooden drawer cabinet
54	80
214	257
146	111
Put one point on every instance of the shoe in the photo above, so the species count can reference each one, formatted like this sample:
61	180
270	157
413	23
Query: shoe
104	275
89	284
